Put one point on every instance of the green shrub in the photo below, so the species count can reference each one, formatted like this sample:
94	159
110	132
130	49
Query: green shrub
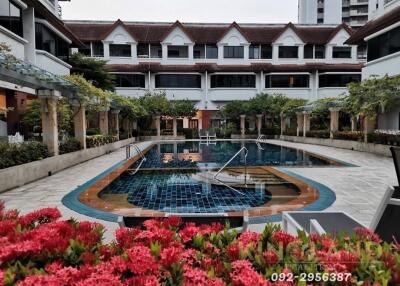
382	138
291	132
99	140
148	132
189	133
271	130
349	135
93	131
70	145
318	134
17	154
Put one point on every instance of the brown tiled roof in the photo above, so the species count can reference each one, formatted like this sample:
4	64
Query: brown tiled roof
234	25
266	67
207	34
177	24
374	26
41	10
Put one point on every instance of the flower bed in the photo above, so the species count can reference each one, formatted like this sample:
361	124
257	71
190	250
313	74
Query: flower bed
349	135
40	249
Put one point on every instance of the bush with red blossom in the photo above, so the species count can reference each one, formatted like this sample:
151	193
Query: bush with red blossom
41	249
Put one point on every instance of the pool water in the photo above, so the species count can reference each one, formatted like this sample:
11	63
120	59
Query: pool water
195	154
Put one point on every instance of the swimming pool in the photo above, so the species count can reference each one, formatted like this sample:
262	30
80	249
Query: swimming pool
179	178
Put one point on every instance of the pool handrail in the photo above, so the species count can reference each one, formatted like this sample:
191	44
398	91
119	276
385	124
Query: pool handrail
231	159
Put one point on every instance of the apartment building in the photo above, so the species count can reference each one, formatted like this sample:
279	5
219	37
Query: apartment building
382	37
212	64
36	35
351	12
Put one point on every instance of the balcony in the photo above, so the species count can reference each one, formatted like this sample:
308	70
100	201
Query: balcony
14	42
359	3
356	13
51	63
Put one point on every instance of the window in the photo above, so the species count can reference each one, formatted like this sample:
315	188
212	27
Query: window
130	80
266	51
338	80
233	81
383	45
254	52
199	51
48	41
178	81
288	52
143	51
193	123
233	52
319	52
120	51
98	49
11	17
85	50
341	52
287	81
314	51
211	52
155	51
178	51
309	51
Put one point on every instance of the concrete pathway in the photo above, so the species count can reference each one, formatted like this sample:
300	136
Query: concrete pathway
358	189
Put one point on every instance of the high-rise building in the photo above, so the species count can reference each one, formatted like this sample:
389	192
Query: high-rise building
352	12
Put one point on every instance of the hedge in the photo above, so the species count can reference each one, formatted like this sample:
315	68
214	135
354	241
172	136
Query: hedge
99	140
70	145
17	154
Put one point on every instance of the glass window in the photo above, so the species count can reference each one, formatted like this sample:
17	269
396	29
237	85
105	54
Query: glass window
130	80
288	52
287	81
254	52
85	50
319	52
11	17
120	51
142	50
233	52
211	52
309	51
193	123
48	41
178	51
233	81
155	51
266	51
341	52
383	45
98	49
338	80
178	81
199	51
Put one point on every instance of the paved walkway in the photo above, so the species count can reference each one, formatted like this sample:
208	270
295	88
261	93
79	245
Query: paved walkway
358	189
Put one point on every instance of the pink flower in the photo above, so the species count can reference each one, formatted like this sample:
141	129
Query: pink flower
367	234
248	237
189	231
170	255
125	237
45	215
243	274
270	257
281	237
149	280
172	222
141	261
198	277
54	266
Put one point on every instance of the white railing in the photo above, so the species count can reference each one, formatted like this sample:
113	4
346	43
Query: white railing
128	156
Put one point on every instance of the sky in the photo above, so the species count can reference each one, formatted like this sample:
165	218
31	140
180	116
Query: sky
216	11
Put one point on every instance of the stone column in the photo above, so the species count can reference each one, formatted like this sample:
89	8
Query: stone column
334	126
48	102
306	123
115	119
157	120
243	124
353	123
300	123
283	124
259	123
175	126
134	125
28	27
80	124
369	127
103	121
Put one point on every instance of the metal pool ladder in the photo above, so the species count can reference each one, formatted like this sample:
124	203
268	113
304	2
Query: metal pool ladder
128	156
227	163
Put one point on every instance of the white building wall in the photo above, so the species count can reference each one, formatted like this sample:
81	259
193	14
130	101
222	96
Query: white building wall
14	42
308	11
51	63
333	12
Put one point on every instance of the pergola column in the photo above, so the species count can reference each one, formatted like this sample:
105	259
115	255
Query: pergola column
334	126
103	121
157	120
115	120
369	127
175	126
300	123
306	123
48	103
353	123
259	123
243	124
80	123
283	124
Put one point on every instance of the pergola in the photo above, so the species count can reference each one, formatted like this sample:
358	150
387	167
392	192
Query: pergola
49	89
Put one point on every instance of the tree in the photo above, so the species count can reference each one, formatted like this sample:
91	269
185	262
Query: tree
182	108
93	70
155	104
234	109
292	106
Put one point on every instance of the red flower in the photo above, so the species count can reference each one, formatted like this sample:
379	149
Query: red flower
284	238
244	275
150	280
172	222
270	257
170	255
233	251
141	261
54	266
248	237
341	261
327	243
152	224
45	215
189	231
367	234
125	237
